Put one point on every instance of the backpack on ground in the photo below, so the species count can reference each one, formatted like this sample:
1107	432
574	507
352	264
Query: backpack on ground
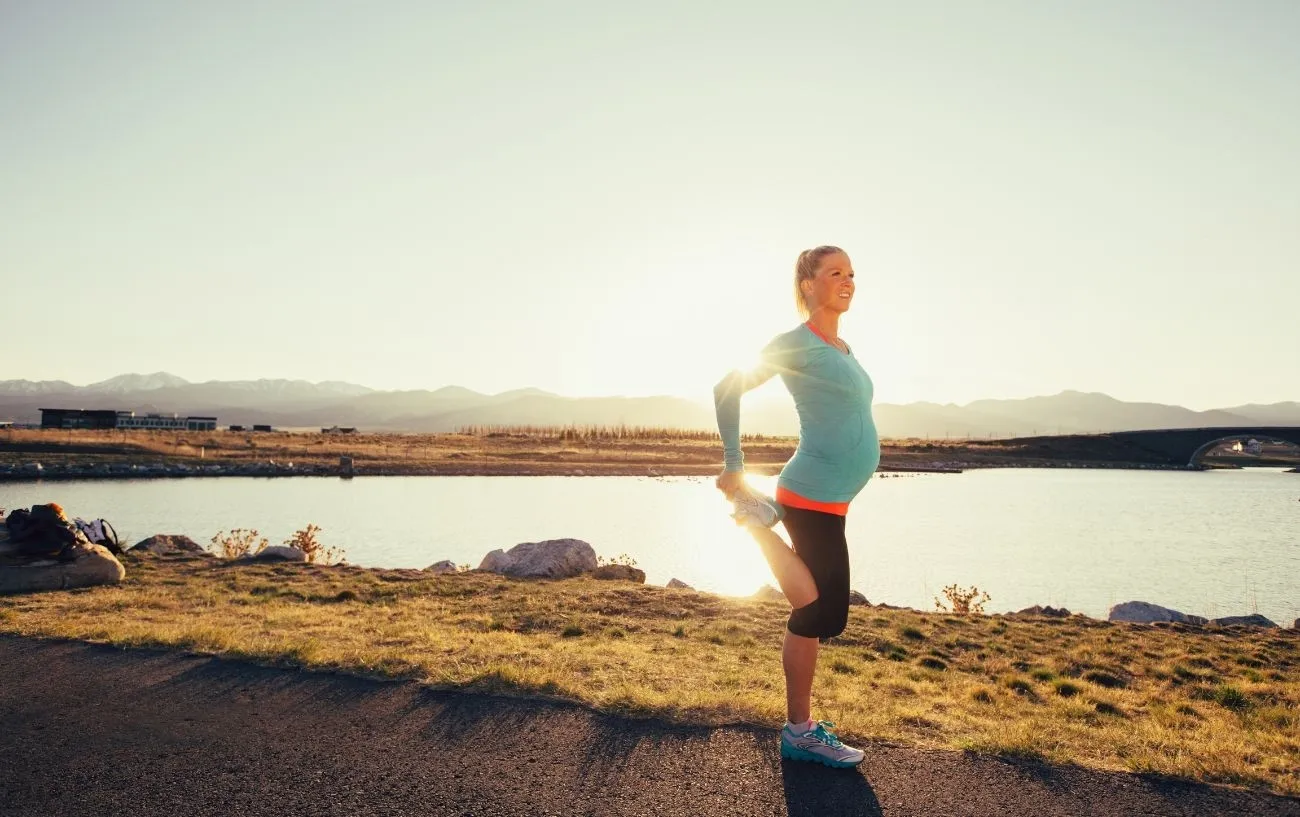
100	532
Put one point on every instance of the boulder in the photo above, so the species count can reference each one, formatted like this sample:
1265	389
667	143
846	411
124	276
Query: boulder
768	593
1143	612
445	566
164	543
857	599
1049	611
619	572
278	553
1253	620
93	565
678	584
551	559
495	562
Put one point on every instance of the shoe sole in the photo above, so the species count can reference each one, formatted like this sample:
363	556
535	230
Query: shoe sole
791	753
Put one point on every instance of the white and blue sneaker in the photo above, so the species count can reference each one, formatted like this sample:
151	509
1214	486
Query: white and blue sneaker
753	508
818	745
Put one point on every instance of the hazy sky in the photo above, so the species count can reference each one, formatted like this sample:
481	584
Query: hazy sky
607	198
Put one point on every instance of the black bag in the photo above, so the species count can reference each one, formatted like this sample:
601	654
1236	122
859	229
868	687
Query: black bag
43	532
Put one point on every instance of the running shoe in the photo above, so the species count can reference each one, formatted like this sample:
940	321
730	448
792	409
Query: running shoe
753	508
818	745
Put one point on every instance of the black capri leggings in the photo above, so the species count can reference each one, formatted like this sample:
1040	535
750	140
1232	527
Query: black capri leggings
819	540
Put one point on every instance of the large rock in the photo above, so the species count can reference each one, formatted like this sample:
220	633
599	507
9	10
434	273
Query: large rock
768	593
1143	612
678	584
1253	620
164	543
551	559
278	553
445	566
619	572
856	599
93	565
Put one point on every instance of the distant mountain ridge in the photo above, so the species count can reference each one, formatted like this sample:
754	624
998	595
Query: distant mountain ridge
302	404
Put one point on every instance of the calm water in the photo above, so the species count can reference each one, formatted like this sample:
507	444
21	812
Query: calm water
1210	543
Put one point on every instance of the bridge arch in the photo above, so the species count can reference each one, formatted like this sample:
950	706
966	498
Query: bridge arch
1255	435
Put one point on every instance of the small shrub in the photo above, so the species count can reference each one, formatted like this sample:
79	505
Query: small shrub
680	632
240	542
1042	675
346	595
571	631
933	663
1067	689
962	601
306	541
912	634
616	632
981	695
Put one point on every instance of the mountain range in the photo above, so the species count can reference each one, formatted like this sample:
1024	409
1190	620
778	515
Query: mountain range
300	404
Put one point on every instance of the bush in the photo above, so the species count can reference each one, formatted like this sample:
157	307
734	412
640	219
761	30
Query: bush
238	543
962	601
306	541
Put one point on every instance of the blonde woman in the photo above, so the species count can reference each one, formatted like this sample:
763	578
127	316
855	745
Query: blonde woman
838	452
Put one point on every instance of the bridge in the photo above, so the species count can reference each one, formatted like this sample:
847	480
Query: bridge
1188	445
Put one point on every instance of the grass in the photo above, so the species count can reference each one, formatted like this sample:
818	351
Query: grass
496	450
1177	701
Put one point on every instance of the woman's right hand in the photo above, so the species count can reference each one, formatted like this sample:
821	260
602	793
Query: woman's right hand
730	482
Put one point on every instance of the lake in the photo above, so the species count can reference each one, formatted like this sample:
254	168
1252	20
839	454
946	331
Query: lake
1211	543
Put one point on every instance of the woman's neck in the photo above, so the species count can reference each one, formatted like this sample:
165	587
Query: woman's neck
827	322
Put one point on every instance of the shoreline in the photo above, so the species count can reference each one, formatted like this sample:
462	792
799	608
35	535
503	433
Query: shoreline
29	454
271	470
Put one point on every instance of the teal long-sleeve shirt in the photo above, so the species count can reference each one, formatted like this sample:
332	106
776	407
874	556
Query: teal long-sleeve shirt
839	448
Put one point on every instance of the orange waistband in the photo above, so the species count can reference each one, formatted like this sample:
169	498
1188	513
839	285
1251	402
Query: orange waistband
787	497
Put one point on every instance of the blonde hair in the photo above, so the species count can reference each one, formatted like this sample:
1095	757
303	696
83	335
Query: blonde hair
805	268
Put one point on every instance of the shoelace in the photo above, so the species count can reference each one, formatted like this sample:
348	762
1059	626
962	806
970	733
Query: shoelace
824	733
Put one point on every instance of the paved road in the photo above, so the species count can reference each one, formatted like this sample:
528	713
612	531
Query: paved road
91	730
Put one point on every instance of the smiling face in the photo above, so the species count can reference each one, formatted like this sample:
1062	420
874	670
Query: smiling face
831	286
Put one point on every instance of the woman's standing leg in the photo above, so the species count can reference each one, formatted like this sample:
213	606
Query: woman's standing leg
799	659
819	542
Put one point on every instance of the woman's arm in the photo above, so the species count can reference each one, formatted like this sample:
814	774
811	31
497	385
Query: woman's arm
777	357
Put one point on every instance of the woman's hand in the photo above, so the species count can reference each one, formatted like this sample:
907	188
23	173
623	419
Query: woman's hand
730	482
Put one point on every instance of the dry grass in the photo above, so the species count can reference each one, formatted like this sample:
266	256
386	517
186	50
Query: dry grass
523	450
1200	703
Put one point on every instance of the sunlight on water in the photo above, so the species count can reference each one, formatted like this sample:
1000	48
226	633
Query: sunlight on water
1213	543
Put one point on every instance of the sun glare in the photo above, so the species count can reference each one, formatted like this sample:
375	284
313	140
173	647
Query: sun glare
728	560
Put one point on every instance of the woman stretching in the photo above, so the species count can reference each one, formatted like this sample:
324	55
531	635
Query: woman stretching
838	452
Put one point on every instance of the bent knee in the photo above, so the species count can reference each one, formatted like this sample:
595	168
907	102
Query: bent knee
817	620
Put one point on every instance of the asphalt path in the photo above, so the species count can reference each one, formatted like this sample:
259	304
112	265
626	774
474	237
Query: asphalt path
94	730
